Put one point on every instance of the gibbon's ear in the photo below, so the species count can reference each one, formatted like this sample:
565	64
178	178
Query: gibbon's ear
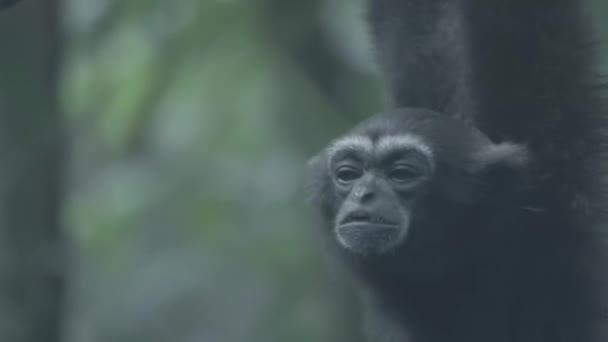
505	155
314	168
315	178
312	164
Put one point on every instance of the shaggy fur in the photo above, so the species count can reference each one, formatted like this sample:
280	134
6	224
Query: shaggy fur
520	71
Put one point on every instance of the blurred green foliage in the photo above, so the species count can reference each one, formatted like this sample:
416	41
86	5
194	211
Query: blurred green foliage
191	122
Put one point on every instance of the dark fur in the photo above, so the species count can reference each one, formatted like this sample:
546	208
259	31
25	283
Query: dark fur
519	70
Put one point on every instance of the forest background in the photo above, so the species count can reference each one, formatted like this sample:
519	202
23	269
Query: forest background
152	157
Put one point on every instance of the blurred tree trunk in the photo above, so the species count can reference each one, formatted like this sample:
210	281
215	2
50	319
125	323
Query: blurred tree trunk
299	30
31	169
296	27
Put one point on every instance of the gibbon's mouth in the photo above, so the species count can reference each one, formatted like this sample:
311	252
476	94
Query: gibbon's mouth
361	218
366	234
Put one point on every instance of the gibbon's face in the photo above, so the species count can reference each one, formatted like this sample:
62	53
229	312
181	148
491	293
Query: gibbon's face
403	176
377	184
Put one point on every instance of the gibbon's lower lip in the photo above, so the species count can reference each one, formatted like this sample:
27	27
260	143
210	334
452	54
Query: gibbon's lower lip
367	225
362	217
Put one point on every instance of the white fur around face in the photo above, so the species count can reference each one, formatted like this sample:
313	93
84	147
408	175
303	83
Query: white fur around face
352	142
383	145
404	141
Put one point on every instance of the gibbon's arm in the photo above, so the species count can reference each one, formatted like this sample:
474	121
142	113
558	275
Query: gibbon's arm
520	70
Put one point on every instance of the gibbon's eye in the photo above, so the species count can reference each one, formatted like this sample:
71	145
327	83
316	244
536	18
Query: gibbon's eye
404	173
348	173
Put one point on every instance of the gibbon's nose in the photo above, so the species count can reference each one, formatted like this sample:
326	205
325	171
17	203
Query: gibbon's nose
365	195
366	190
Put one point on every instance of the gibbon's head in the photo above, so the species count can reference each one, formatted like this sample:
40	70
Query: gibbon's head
408	182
